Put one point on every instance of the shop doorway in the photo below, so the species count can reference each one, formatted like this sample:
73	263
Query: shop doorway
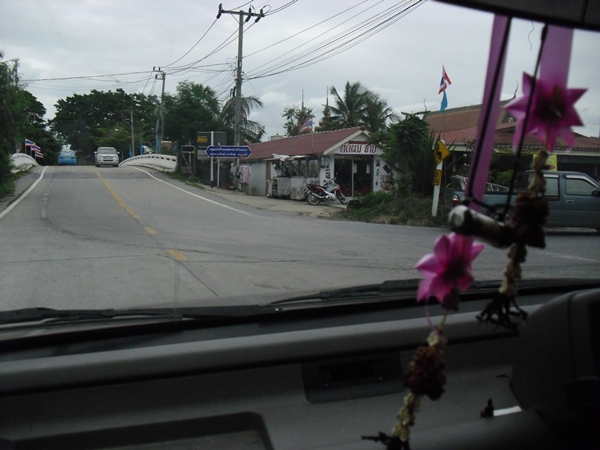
354	174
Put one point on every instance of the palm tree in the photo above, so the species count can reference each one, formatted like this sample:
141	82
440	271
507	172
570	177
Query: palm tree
359	106
351	109
250	131
378	113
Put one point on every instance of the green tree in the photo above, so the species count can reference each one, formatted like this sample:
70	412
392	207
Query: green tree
358	106
250	131
350	108
88	121
11	109
194	108
22	116
296	117
326	122
378	113
35	128
408	147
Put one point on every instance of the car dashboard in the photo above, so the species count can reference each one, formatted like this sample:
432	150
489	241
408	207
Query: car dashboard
326	381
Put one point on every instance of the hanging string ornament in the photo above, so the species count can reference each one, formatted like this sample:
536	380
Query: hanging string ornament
447	271
546	110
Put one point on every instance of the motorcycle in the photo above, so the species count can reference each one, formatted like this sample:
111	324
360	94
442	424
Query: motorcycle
329	191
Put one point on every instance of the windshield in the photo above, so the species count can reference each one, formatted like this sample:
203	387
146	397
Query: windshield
213	201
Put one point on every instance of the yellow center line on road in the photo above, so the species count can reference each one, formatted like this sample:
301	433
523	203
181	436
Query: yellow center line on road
116	196
177	255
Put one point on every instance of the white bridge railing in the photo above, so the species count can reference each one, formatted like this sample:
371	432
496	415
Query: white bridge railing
21	161
164	163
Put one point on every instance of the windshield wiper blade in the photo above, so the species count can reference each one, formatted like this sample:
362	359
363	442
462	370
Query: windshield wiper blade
369	291
395	290
39	314
407	290
76	315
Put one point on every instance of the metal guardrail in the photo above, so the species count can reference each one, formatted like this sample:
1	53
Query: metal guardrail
22	161
164	163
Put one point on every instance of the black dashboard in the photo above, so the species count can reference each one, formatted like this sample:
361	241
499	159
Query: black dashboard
299	384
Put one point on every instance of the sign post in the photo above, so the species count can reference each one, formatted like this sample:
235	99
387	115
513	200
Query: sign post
206	139
441	153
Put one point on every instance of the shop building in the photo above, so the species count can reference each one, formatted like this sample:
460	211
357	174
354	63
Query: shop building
458	128
282	167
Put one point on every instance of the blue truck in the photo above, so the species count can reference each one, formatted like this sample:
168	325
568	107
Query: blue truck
573	198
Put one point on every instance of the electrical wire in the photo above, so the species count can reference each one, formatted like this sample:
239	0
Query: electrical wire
305	30
311	50
147	81
193	46
336	44
86	76
281	8
276	122
294	60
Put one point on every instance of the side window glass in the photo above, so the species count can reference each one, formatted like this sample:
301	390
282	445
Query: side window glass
551	187
523	181
576	186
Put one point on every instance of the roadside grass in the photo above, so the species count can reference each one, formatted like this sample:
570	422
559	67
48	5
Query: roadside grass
7	184
384	207
187	179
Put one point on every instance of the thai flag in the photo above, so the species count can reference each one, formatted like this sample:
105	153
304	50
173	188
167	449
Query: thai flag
445	81
307	125
36	151
28	142
444	104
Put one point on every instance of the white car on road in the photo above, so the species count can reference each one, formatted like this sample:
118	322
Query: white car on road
106	156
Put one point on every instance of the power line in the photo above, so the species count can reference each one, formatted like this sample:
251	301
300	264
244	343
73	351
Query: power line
336	44
193	46
86	77
306	29
311	50
281	8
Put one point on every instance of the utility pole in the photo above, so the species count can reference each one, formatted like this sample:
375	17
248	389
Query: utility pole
161	76
132	138
238	79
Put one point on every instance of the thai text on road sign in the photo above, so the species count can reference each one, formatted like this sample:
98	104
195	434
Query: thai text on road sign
215	151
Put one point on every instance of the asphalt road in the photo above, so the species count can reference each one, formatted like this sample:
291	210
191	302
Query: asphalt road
88	237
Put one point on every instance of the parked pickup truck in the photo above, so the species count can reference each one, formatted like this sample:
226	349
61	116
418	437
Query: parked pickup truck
573	199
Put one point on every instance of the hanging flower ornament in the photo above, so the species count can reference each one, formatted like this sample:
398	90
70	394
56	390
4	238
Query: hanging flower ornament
546	110
551	114
447	272
448	269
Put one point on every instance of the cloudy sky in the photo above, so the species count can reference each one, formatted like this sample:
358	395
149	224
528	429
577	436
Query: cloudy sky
302	46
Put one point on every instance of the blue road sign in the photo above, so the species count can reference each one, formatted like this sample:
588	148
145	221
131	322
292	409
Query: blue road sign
214	151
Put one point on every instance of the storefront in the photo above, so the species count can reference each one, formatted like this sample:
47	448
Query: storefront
290	163
360	169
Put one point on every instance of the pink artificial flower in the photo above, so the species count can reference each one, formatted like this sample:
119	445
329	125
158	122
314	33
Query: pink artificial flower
552	113
449	267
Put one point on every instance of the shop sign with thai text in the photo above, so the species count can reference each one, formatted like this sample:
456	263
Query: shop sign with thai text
357	148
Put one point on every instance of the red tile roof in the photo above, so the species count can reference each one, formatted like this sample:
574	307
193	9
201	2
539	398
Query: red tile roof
305	144
460	118
459	126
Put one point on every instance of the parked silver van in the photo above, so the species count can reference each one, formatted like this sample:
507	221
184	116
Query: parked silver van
106	156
